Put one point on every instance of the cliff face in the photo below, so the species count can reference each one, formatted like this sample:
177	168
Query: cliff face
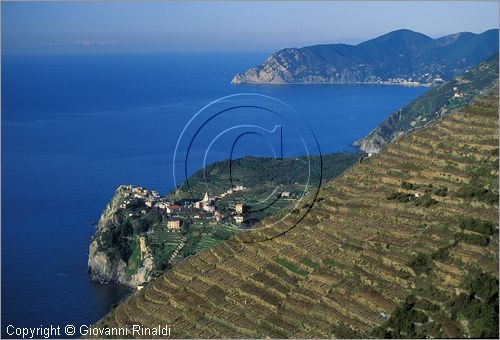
433	104
293	65
402	57
382	135
113	245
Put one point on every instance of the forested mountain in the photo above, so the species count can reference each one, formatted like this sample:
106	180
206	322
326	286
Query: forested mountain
401	56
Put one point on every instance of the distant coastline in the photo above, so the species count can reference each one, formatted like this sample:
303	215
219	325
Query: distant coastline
407	84
401	57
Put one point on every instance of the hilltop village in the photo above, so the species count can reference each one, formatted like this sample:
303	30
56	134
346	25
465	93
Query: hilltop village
141	233
204	210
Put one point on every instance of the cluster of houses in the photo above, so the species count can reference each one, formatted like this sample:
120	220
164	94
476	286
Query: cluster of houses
411	82
137	196
151	199
404	82
134	195
457	93
208	205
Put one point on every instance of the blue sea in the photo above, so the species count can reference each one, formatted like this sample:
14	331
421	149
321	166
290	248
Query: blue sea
74	127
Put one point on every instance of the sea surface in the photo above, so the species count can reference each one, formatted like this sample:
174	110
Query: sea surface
74	127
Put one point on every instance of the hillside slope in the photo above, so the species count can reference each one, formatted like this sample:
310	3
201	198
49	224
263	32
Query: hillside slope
255	172
133	242
409	234
400	56
433	104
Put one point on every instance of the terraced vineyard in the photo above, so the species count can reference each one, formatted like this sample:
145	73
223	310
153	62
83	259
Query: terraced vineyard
395	237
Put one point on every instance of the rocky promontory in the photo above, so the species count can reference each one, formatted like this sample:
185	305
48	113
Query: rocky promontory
299	65
114	243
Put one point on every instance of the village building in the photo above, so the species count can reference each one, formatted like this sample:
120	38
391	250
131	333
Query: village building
240	208
285	194
238	219
209	208
172	208
142	247
174	224
217	216
160	205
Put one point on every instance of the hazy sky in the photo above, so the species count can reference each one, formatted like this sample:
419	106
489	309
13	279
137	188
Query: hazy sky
257	26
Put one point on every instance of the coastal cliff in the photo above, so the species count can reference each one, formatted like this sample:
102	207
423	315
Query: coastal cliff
295	65
114	243
401	57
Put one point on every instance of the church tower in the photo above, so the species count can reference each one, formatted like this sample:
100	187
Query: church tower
205	199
